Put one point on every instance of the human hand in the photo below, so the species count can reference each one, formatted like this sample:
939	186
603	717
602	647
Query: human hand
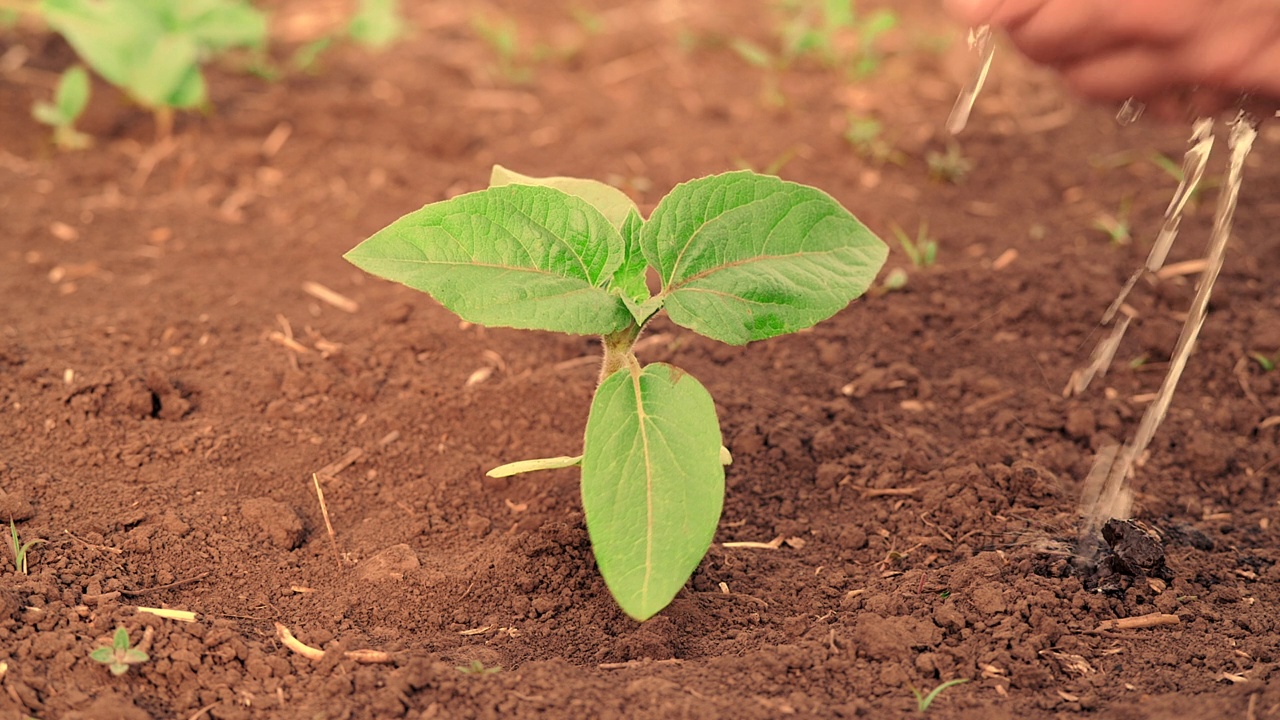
1175	55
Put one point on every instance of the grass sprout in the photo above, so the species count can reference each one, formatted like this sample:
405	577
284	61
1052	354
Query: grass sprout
20	548
923	701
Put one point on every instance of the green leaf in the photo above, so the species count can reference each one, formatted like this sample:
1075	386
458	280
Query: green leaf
514	256
221	25
524	466
377	23
120	641
164	69
105	33
629	279
609	200
746	257
102	655
73	93
652	483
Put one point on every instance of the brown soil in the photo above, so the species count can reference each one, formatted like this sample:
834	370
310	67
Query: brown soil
161	428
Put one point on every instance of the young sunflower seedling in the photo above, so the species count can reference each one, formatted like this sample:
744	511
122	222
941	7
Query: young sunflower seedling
69	101
20	548
738	257
119	655
923	701
153	49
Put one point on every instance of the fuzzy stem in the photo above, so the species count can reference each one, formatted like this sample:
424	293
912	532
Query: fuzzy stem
617	350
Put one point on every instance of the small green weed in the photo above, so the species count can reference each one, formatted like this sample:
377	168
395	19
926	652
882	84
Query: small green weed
69	101
1117	226
1174	170
923	251
866	137
1267	364
20	548
475	667
119	656
377	24
515	63
950	166
833	32
924	701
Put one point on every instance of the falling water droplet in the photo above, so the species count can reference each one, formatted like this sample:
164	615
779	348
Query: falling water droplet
981	41
1130	111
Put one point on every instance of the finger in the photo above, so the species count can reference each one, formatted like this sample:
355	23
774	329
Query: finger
1000	13
1066	31
1118	75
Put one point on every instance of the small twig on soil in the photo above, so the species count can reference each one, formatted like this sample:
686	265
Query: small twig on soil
868	493
637	663
773	544
342	463
1179	269
1137	623
169	614
113	551
732	595
100	598
170	586
1251	712
202	711
306	651
1241	371
332	297
328	526
985	403
1005	260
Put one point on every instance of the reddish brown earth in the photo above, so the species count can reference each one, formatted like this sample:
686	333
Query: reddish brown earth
160	431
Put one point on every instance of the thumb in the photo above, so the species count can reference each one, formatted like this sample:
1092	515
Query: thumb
971	12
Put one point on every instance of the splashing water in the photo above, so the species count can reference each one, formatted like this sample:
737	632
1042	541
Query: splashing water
1130	111
1108	491
980	40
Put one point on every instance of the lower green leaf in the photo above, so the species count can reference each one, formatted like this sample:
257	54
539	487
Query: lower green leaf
652	483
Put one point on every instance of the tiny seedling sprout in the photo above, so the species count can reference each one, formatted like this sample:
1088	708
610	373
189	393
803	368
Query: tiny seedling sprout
475	667
1266	363
923	251
69	101
950	166
739	257
20	548
1117	226
923	701
119	655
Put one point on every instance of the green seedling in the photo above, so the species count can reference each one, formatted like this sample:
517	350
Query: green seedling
866	137
377	24
475	667
20	548
153	49
737	257
923	702
923	251
950	166
1174	170
1117	227
119	656
825	28
69	101
1267	364
515	63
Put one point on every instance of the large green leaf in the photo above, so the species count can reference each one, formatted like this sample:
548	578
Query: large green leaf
513	256
746	257
609	200
652	483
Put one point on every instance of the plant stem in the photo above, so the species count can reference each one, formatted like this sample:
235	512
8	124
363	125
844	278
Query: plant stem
617	350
